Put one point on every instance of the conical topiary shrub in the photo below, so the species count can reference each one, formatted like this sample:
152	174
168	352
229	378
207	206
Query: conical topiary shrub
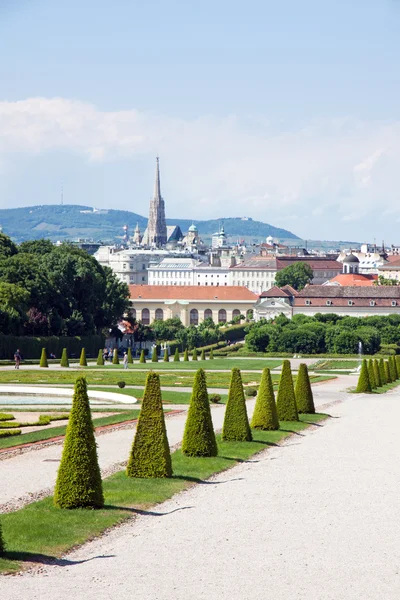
397	359
286	399
371	374
194	354
186	355
154	356
236	425
394	372
43	359
199	436
265	415
150	455
100	358
82	360
115	360
203	355
303	392
142	357
382	371
211	357
176	355
130	358
377	374
79	480
364	384
166	355
387	372
64	358
2	544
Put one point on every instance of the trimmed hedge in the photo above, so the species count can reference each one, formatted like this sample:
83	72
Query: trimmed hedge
236	425
100	358
150	455
79	482
130	358
211	357
286	399
371	374
377	373
199	437
43	359
82	360
2	544
265	415
388	375
303	392
176	355
6	417
234	332
194	354
166	355
31	347
382	371
142	357
154	356
203	355
186	355
364	384
64	359
9	432
115	360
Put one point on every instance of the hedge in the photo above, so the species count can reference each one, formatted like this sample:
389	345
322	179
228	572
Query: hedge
236	426
235	332
199	437
286	400
364	384
31	347
9	432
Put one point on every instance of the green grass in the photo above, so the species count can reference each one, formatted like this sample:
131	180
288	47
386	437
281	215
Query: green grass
326	365
167	397
209	365
40	532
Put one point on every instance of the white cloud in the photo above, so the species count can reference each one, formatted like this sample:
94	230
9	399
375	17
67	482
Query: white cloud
340	165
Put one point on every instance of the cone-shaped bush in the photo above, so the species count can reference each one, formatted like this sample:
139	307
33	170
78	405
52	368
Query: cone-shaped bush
265	415
303	392
115	360
64	358
194	354
2	544
394	368
203	355
199	436
176	355
286	399
130	358
387	372
82	360
377	374
364	384
166	355
100	358
397	359
43	359
211	357
186	355
236	425
382	371
154	356
150	455
79	481
142	357
371	374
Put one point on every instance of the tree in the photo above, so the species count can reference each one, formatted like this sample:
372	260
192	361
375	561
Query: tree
186	355
364	384
142	357
64	359
377	374
176	355
154	356
371	374
43	359
7	247
236	425
166	355
199	437
203	355
265	415
82	360
115	360
303	392
130	359
286	400
297	275
150	455
194	354
388	375
167	330
79	480
382	372
39	247
100	358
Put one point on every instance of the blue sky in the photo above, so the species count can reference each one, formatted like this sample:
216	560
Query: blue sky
284	111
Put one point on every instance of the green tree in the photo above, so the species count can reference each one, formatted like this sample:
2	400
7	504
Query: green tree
199	437
43	359
377	374
388	375
39	247
150	455
100	358
186	355
236	425
82	360
203	355
64	358
142	356
176	355
194	354
297	275
303	392
154	356
364	384
7	246
166	355
286	400
211	357
371	374
265	415
382	371
115	360
79	480
130	359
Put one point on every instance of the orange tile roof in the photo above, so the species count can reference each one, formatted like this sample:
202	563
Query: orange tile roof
354	279
191	292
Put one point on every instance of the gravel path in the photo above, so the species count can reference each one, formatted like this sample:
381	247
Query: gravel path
316	518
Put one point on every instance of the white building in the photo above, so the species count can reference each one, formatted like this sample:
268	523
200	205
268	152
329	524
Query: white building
187	271
130	266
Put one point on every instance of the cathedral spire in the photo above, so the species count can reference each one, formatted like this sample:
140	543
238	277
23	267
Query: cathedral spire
156	226
157	187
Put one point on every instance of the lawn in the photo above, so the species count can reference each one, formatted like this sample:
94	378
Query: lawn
167	396
209	365
40	532
326	365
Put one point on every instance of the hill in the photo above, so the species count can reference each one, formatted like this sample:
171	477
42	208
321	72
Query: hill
62	222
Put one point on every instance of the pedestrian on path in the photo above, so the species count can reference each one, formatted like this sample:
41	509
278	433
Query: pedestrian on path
17	358
125	360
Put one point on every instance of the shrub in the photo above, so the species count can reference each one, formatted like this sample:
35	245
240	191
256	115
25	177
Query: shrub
250	391
121	384
115	360
82	360
100	359
211	357
199	437
394	365
392	368
203	355
166	355
214	398
9	433
176	355
265	415
150	455
154	356
286	399
64	359
43	359
130	358
397	359
6	417
194	354
79	480
382	371
236	425
303	392
186	355
388	376
142	357
2	544
364	384
377	374
371	374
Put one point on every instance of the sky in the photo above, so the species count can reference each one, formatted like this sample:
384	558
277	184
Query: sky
285	111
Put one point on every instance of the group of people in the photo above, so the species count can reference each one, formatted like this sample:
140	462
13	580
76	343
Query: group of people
108	354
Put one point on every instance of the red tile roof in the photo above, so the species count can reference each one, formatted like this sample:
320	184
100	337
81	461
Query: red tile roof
350	279
275	292
317	295
191	292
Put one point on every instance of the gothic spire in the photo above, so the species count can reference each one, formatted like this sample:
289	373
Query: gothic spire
157	188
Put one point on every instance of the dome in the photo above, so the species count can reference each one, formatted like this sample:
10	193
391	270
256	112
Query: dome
351	258
193	227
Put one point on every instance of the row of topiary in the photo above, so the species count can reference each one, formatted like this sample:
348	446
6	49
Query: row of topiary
376	373
79	483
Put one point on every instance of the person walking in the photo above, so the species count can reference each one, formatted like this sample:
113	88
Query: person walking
17	358
125	360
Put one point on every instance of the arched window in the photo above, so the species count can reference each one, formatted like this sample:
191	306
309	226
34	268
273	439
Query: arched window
145	316
235	313
222	316
159	314
194	316
208	314
133	313
249	313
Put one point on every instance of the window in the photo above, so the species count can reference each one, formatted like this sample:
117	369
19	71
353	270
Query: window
133	313
222	316
131	267
394	302
350	303
159	314
194	316
143	266
249	313
307	302
145	316
208	314
143	278
372	303
124	266
329	302
235	313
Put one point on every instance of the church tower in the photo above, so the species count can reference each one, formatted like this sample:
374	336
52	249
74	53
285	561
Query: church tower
156	226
